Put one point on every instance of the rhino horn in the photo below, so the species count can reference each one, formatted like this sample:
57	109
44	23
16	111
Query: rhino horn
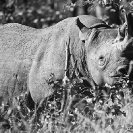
121	32
128	40
128	29
124	34
119	36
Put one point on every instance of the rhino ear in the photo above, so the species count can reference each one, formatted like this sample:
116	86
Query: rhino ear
83	30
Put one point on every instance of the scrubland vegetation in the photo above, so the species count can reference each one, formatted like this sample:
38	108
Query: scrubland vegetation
74	108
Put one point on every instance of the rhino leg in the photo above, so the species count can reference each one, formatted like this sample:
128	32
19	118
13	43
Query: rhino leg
29	102
13	78
48	60
40	77
68	55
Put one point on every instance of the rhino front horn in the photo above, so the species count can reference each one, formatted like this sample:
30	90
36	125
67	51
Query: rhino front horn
124	32
127	34
127	29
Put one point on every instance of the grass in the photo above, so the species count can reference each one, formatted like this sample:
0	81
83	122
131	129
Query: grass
74	108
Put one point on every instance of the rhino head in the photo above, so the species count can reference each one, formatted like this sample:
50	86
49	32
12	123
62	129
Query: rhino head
106	54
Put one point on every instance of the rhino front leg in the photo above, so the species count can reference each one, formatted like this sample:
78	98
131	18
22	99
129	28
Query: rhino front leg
67	61
44	64
66	79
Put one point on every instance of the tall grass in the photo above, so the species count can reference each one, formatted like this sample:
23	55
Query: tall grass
74	108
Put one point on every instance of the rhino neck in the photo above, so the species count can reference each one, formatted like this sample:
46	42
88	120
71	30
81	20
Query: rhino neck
77	64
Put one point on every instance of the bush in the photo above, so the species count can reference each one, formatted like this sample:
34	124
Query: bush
74	108
34	13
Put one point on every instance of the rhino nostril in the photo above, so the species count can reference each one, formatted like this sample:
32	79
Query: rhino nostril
123	70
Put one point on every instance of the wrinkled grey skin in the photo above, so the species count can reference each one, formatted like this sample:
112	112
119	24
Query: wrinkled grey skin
29	56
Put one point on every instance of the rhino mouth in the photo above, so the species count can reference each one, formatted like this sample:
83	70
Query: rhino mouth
117	76
121	72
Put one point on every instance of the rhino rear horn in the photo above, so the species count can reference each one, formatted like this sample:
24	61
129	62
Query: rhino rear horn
128	40
83	30
125	31
119	36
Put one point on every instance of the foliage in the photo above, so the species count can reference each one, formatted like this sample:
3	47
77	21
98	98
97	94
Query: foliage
43	13
74	108
34	13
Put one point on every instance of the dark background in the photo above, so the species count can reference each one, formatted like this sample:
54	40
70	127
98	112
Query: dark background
44	13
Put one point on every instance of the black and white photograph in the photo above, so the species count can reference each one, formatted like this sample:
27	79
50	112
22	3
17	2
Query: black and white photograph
66	66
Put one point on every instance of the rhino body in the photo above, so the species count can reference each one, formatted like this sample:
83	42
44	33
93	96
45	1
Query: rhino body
28	57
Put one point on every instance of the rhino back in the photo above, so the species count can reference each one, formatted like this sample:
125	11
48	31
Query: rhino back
18	41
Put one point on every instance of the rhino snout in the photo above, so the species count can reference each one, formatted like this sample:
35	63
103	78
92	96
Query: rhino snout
121	71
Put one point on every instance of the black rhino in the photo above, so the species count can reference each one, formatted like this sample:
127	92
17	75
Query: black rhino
29	56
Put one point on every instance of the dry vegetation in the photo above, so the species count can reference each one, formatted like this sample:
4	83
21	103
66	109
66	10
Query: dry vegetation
74	108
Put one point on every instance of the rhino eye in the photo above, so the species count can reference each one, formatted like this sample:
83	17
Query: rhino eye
101	61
